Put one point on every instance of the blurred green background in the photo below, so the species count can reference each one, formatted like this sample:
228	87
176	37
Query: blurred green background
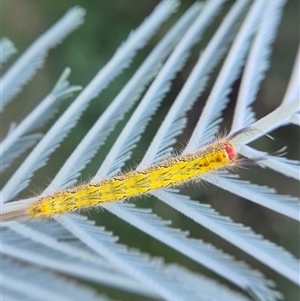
107	25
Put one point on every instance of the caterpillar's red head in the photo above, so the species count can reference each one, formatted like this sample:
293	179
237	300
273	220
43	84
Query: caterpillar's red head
230	152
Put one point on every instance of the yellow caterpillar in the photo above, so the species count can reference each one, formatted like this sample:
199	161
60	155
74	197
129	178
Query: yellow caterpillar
171	172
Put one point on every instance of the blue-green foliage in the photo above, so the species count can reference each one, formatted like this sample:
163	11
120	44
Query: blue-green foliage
208	261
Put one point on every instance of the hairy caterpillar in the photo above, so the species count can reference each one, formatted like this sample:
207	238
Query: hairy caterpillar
174	171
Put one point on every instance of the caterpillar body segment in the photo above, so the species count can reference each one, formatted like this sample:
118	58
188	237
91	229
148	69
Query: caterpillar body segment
170	172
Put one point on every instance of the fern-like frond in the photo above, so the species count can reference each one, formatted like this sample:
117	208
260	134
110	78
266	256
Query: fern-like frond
25	67
122	58
17	139
7	50
279	117
257	64
293	92
208	125
59	251
262	195
175	121
287	167
131	133
122	103
38	255
171	282
15	285
243	237
207	255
